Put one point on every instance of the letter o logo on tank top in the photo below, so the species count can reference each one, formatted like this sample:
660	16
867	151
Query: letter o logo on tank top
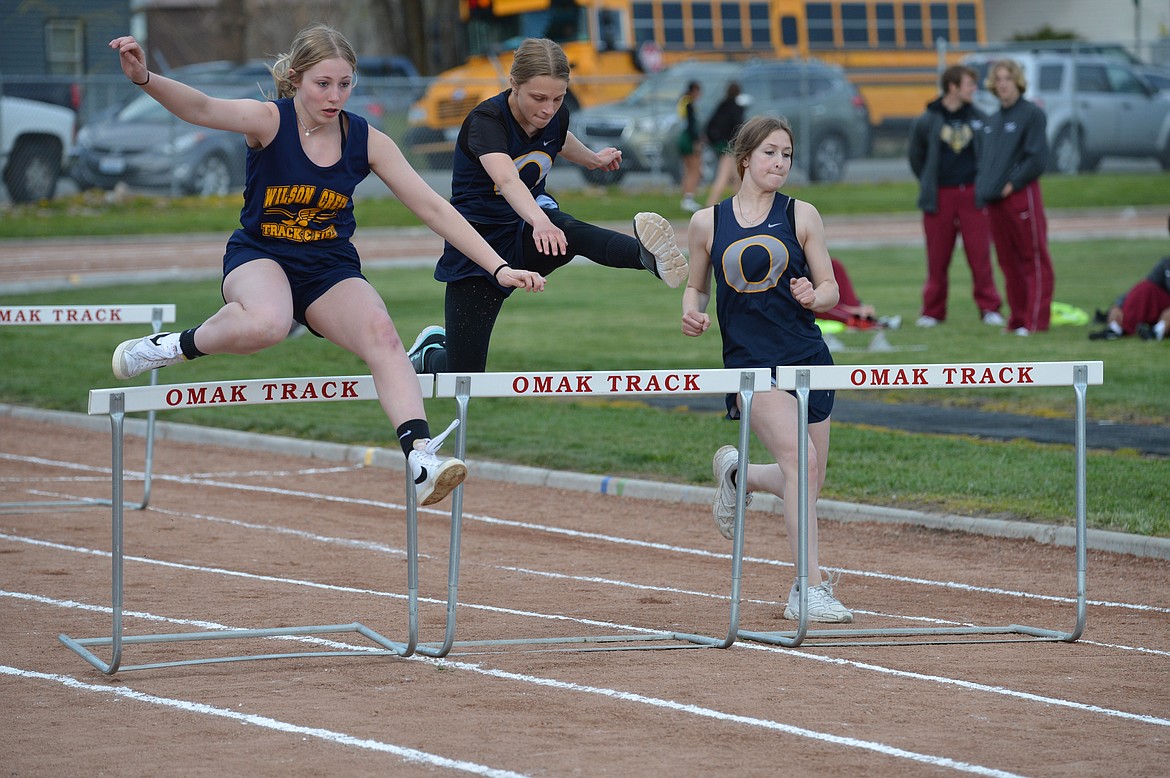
733	263
542	161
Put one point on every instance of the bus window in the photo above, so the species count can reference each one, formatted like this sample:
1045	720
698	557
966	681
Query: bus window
940	23
887	30
854	25
912	25
820	26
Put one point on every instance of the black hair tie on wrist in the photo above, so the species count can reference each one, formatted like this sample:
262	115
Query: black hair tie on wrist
141	83
496	272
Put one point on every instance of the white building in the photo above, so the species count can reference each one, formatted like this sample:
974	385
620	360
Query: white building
1143	26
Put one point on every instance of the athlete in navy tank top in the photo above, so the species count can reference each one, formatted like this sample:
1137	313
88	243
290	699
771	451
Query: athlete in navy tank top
503	154
772	275
292	259
761	323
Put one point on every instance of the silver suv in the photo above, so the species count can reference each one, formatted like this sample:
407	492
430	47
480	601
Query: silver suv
828	115
1108	109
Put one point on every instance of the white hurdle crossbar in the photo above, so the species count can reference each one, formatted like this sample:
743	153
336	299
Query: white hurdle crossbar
626	384
802	380
261	391
33	315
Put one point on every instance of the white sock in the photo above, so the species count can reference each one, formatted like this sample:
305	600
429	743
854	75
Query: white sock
1160	330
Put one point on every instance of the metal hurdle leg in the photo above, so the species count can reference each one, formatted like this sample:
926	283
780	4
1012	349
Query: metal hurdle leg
118	639
157	318
1028	633
796	638
651	640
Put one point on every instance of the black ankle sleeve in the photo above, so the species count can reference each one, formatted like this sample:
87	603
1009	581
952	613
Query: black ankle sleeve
410	431
187	344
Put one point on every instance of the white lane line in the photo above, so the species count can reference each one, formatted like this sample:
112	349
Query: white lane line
613	694
484	519
943	680
256	720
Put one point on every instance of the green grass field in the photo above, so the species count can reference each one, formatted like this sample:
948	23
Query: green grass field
594	318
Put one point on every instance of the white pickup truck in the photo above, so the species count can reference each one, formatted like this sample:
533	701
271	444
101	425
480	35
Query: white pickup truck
35	142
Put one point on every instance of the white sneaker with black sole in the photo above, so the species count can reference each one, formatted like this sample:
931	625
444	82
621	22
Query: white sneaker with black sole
435	476
660	253
135	357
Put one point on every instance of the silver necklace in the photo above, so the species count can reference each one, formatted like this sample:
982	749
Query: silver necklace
308	132
743	216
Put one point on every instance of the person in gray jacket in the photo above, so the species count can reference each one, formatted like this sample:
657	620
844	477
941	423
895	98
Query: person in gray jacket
1012	158
944	147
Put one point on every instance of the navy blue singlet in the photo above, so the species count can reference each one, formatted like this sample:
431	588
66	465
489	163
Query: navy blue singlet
761	323
292	201
491	128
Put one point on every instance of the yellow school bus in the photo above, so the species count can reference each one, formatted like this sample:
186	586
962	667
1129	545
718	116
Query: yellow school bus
889	48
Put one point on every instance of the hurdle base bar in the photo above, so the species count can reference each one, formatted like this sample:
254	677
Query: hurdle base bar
158	315
114	404
81	645
1078	375
839	637
744	382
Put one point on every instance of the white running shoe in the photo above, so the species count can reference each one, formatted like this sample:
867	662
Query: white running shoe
994	318
434	476
660	253
822	605
927	321
135	357
725	463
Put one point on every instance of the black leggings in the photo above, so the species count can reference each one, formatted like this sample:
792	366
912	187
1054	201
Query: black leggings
473	304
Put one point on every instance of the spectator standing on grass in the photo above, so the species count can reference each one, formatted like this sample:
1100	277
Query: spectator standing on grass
503	154
292	259
690	145
1012	159
720	129
944	150
773	275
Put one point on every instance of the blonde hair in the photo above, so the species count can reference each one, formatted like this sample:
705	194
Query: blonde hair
752	134
539	57
312	45
1014	70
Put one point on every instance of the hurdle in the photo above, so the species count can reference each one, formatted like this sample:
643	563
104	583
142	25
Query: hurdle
1078	375
627	384
154	314
116	403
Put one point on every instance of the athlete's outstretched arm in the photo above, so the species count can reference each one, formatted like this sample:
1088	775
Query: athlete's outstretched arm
257	120
579	154
389	164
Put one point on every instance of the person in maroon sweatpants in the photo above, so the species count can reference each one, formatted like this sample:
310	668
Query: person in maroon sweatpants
1144	310
944	149
1015	153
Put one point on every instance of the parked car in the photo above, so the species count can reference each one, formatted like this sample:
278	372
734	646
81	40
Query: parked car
385	86
35	141
828	115
1108	109
1157	76
144	146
